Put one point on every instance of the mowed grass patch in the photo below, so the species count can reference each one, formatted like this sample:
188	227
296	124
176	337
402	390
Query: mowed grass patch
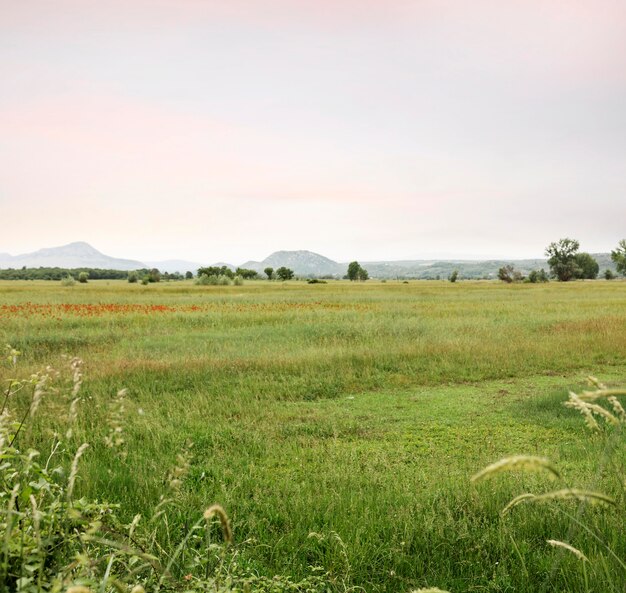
360	410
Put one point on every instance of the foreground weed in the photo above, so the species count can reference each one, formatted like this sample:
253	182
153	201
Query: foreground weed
53	541
606	565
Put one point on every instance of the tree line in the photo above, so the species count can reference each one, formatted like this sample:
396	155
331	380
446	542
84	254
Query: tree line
568	263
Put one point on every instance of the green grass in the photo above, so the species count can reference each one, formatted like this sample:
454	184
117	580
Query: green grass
356	409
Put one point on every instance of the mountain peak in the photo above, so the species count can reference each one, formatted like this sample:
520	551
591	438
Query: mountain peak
73	255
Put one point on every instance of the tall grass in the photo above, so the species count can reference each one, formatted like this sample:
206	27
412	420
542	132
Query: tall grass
330	409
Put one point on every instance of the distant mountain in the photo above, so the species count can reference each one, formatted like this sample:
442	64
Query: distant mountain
74	255
303	263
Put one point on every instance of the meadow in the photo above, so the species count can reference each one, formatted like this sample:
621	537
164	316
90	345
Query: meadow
339	424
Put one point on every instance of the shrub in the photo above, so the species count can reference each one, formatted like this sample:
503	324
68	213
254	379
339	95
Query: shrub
453	276
238	281
205	280
587	265
68	281
509	274
83	277
609	275
133	277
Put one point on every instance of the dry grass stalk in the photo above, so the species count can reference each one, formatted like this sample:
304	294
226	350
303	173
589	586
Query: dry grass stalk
217	510
565	494
527	463
576	403
559	544
74	471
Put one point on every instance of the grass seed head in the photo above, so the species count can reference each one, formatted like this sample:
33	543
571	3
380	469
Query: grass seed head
559	544
528	463
217	510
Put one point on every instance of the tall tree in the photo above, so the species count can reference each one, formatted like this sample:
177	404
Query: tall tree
284	273
562	259
356	272
619	257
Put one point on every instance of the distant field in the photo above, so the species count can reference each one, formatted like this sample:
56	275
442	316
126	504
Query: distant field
358	409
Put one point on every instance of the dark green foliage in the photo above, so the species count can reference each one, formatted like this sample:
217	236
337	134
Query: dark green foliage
453	276
609	275
154	275
247	274
535	276
60	273
562	259
188	275
83	277
588	266
316	281
618	256
133	277
356	272
284	273
269	272
217	271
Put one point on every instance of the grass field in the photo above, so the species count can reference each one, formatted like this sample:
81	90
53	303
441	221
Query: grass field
339	424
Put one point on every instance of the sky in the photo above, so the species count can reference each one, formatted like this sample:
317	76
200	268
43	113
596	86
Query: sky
370	129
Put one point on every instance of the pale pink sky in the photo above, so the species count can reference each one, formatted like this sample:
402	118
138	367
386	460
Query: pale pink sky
373	130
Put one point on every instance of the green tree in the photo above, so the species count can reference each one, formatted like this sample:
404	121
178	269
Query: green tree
247	274
133	277
453	277
509	274
154	275
619	257
269	272
356	272
83	277
609	275
284	273
353	270
589	267
188	275
562	259
216	271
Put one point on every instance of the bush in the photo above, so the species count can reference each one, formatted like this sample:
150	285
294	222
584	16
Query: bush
205	280
68	281
83	277
454	276
238	281
509	274
609	275
587	265
133	277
